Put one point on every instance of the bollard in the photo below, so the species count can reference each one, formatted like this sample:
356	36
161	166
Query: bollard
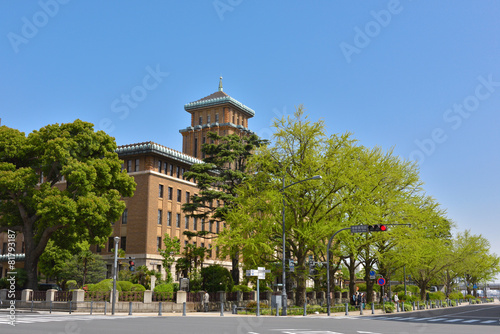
413	306
234	309
346	309
91	306
361	309
418	304
373	307
32	305
184	309
159	309
70	307
129	308
305	309
277	310
105	307
221	309
397	306
403	307
50	307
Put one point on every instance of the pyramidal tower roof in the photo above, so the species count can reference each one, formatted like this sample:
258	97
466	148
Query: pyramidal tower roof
218	98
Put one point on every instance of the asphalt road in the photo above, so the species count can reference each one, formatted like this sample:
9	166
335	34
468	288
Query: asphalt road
449	320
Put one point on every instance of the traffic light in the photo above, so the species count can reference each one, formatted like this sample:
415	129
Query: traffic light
377	228
131	265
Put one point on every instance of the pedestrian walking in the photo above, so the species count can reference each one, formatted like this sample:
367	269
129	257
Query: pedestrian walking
205	301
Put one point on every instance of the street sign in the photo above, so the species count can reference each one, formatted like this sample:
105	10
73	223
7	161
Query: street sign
252	272
291	265
381	281
372	274
359	228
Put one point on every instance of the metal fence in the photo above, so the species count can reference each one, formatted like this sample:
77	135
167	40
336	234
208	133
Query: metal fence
131	296
164	297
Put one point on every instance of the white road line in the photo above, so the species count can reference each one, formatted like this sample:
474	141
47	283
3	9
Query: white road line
469	321
454	320
489	321
437	319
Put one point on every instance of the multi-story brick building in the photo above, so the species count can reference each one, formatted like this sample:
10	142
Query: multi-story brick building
155	208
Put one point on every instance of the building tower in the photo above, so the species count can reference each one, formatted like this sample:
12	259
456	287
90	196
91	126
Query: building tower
217	112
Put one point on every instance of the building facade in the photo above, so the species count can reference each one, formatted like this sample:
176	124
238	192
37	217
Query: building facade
156	207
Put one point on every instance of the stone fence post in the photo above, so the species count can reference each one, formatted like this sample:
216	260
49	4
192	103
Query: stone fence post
78	295
181	297
25	295
50	295
148	297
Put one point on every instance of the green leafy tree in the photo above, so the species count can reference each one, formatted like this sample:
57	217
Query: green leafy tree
313	209
62	183
84	267
171	248
222	170
191	258
216	278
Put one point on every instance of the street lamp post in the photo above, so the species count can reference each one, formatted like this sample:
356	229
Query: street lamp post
117	239
283	288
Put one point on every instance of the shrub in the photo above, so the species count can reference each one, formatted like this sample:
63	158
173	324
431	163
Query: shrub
453	303
361	286
469	297
437	295
104	285
241	287
125	285
252	306
456	295
389	307
71	284
168	287
138	287
408	307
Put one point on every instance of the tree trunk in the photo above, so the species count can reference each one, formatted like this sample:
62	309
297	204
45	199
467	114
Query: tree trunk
369	285
235	272
300	297
31	265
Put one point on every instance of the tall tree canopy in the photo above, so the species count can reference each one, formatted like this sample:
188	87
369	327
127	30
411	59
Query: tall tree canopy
62	183
222	170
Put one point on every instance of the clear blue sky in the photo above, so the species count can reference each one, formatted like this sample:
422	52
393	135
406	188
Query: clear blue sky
420	76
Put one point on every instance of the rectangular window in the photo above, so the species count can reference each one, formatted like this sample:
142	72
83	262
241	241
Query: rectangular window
208	119
211	226
200	120
195	223
165	167
171	169
179	195
129	166
125	216
188	195
137	161
160	191
158	243
160	164
160	216
216	118
183	170
177	171
217	251
170	193
178	220
123	243
202	225
111	244
202	245
169	218
217	226
196	148
185	243
186	222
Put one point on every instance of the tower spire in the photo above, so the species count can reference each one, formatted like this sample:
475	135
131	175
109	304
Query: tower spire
220	84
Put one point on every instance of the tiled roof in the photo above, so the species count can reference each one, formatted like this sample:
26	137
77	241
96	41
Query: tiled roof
218	98
151	147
